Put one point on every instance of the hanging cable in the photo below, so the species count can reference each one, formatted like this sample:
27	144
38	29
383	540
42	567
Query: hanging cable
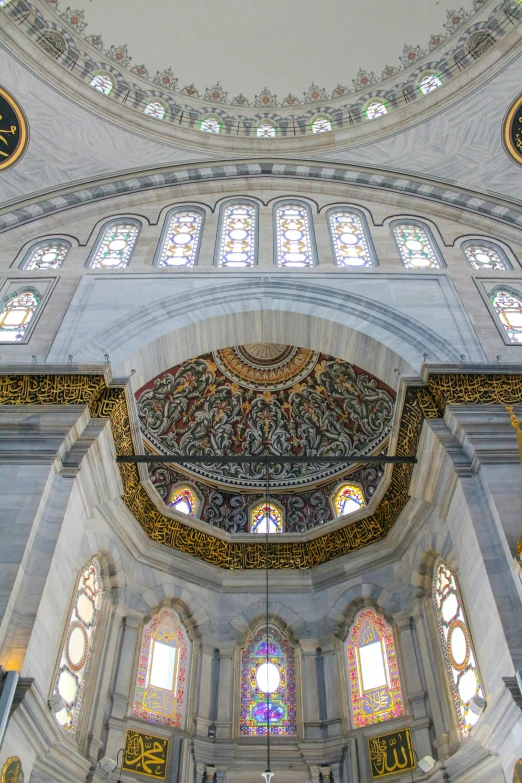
267	523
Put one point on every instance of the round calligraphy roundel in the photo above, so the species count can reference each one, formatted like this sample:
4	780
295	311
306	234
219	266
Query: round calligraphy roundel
14	131
512	133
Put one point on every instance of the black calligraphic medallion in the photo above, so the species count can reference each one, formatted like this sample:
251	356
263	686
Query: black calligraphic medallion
12	771
146	754
517	772
513	131
14	133
391	753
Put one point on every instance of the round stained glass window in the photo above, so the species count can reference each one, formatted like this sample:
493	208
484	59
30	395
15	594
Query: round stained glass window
268	677
76	646
67	686
458	645
85	609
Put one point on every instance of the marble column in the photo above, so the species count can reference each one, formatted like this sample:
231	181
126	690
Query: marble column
312	720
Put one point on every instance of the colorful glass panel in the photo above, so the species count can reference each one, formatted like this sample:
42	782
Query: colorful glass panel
508	307
265	130
321	124
348	498
155	109
457	647
161	682
237	240
184	500
116	247
294	237
375	109
268	690
77	648
16	315
482	257
429	82
48	256
181	241
210	125
103	83
415	247
373	671
266	518
349	239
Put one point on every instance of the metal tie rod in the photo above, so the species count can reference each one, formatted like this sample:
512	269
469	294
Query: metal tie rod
263	459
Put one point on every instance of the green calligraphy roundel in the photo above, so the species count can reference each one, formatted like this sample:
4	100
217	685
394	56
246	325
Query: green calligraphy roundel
14	132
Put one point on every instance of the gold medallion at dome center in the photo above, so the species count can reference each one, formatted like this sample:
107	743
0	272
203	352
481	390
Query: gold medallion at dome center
266	366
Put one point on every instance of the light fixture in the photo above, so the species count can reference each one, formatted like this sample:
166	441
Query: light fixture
108	764
477	705
56	703
427	763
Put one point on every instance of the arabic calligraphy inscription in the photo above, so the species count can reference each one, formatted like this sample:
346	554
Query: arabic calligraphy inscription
391	753
146	754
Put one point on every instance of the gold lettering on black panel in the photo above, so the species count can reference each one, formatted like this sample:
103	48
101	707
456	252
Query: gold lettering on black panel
13	130
146	754
513	131
391	753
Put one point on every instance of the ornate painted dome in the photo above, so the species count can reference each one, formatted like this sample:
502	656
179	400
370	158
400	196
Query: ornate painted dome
257	399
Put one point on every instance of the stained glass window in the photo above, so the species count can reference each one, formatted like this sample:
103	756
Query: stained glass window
508	307
181	238
321	124
350	240
4	2
116	246
77	650
268	690
16	314
162	680
373	671
429	82
266	518
294	235
210	125
103	83
485	257
457	647
48	255
155	109
184	499
348	498
266	130
375	109
415	246
237	240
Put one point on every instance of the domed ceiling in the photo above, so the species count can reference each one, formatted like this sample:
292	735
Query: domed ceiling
244	46
265	398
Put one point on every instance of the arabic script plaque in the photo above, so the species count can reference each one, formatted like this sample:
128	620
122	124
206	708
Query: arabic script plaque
146	754
391	753
13	130
513	131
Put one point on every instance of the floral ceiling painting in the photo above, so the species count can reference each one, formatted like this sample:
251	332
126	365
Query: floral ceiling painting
265	398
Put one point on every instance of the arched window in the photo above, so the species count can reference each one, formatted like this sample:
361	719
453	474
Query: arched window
237	237
266	518
210	124
478	43
46	255
457	647
321	123
184	499
373	671
348	498
268	687
155	109
485	255
180	238
508	307
17	311
53	43
375	108
295	244
115	245
351	241
266	130
77	649
163	668
429	81
416	246
102	82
